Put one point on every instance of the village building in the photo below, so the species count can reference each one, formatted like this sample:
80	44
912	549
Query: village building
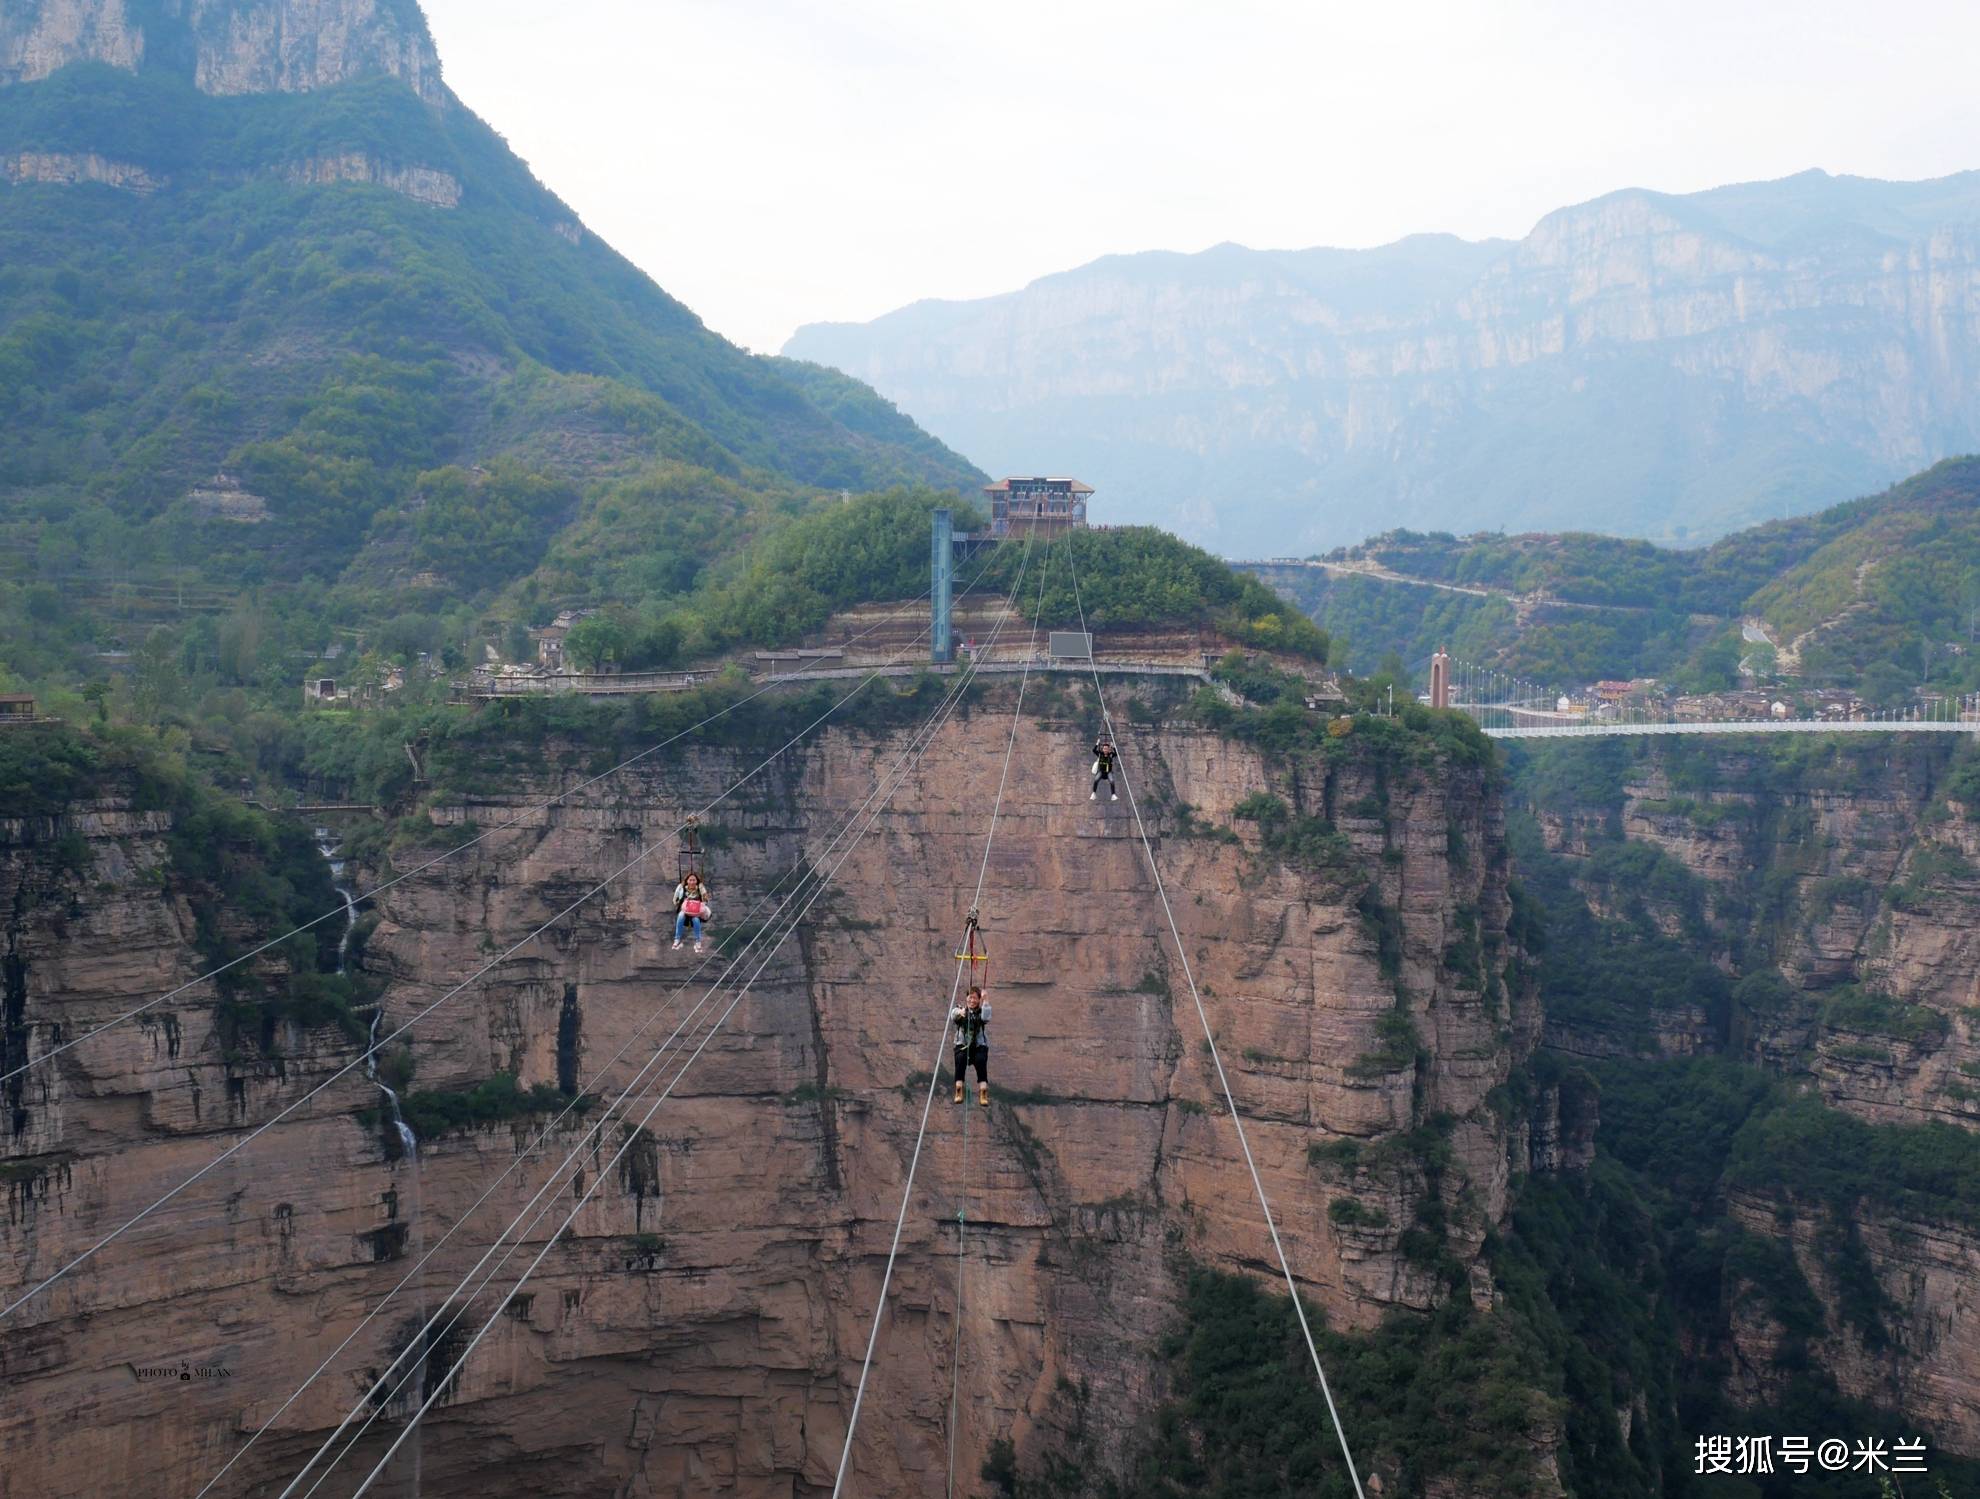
550	639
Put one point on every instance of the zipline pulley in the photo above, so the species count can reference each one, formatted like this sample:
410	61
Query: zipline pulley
691	850
973	952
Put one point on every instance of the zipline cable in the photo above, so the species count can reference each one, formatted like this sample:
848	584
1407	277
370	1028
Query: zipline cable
530	1149
955	1351
377	890
907	764
962	1194
1210	1042
548	1129
935	1074
375	1045
425	1337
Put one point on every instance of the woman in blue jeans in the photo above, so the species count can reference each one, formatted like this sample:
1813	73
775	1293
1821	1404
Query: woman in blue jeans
690	905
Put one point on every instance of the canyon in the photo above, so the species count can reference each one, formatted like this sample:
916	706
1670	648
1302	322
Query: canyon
1839	884
700	1328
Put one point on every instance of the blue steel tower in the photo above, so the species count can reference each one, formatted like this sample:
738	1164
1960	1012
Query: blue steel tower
942	577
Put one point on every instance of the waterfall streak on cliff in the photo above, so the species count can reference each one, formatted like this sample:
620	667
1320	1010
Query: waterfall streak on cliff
935	1077
907	761
485	968
408	1142
768	898
273	942
1223	1081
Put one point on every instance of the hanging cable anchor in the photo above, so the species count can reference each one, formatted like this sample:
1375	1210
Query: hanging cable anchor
973	952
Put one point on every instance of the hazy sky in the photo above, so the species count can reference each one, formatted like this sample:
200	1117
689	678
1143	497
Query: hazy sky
775	163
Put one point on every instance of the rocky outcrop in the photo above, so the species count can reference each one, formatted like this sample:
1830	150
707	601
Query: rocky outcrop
293	46
265	46
421	184
68	169
426	185
701	1326
223	498
39	36
1266	403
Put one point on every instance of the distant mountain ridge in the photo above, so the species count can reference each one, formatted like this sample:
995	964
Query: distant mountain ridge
1670	366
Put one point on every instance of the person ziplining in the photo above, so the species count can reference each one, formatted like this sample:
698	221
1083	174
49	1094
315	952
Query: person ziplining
1104	755
691	894
691	906
971	1018
972	1022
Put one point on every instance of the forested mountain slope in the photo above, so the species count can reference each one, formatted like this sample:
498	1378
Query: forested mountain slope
276	308
1880	593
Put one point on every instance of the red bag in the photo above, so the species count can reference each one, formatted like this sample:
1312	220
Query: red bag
693	908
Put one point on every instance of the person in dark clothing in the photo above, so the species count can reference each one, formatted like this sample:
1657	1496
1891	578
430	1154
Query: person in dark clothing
1104	754
972	1022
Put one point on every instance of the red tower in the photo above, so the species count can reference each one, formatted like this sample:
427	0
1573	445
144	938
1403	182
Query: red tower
1440	680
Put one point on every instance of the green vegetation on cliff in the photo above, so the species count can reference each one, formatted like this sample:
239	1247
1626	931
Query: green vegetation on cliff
251	419
1130	578
1881	593
1607	1349
243	875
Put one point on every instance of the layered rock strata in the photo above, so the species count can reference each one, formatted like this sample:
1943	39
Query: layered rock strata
700	1329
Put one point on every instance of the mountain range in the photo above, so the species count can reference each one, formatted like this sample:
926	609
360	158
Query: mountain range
277	310
1666	366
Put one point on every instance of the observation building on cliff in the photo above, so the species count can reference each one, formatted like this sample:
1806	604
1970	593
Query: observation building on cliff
1037	507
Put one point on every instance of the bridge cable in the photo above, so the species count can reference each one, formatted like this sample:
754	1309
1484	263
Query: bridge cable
740	925
908	760
379	1043
377	890
1210	1042
935	1074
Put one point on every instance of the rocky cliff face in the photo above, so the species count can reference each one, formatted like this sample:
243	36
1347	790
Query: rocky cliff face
1848	887
700	1329
1837	892
1813	338
270	46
